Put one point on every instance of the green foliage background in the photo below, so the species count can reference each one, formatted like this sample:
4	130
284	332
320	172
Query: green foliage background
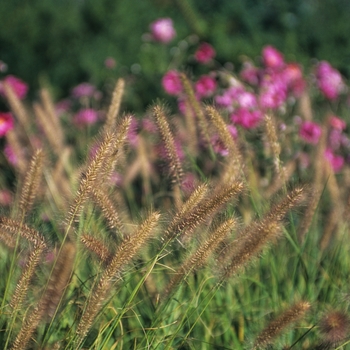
66	42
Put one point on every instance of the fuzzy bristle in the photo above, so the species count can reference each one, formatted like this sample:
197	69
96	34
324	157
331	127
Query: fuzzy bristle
126	251
200	256
31	183
110	213
175	168
97	247
26	276
235	156
88	179
335	327
197	108
114	106
15	227
59	279
207	207
275	327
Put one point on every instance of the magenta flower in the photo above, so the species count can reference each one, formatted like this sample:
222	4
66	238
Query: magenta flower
293	77
19	87
248	119
273	94
205	53
85	116
110	63
172	83
229	97
272	58
10	155
337	123
132	135
336	162
84	90
310	132
162	30
6	197
250	73
63	106
205	86
329	80
6	123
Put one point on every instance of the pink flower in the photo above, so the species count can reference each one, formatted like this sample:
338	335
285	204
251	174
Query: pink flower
293	76
249	119
310	132
110	63
205	53
84	90
272	58
172	83
273	94
162	30
337	123
19	87
6	123
132	135
10	155
5	197
86	116
63	106
335	161
335	139
250	73
329	80
247	99
229	97
205	86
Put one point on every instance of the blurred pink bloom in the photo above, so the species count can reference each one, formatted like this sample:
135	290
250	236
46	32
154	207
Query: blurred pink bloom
162	30
63	106
149	125
329	80
293	76
272	58
250	73
337	123
310	132
229	97
110	62
247	118
247	99
188	183
5	197
273	94
10	155
116	178
171	82
6	122
205	86
335	161
132	135
84	90
205	53
335	139
19	87
86	116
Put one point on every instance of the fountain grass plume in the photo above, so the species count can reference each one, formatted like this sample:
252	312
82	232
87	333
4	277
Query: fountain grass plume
276	326
31	183
174	163
125	252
